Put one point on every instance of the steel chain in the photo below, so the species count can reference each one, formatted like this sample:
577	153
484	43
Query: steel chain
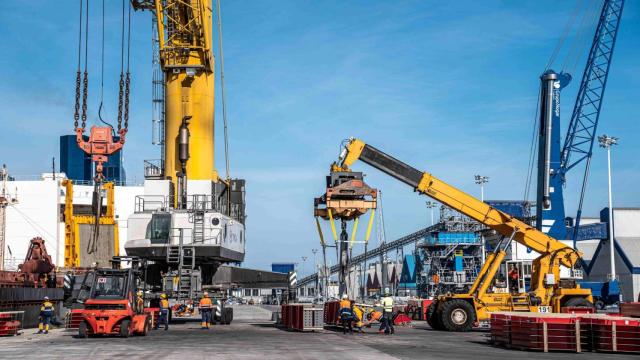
84	100
126	101
120	101
76	114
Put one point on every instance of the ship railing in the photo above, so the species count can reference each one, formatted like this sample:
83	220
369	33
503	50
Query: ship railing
188	240
150	203
153	169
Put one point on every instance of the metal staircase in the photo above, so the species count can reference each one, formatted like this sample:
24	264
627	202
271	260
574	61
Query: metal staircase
198	226
183	258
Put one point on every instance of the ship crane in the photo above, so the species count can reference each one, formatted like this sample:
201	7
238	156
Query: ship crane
554	160
189	221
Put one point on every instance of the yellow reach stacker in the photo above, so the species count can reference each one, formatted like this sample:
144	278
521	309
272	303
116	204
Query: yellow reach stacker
459	312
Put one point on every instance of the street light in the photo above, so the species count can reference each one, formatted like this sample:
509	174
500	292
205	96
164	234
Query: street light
431	205
315	269
481	180
304	260
606	142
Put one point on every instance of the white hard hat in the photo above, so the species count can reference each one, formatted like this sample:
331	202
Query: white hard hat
46	298
345	296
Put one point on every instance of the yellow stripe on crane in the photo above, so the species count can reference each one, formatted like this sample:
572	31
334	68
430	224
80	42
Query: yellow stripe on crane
320	232
371	217
354	231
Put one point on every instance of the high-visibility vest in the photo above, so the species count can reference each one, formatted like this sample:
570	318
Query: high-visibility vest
164	304
387	304
46	308
345	304
205	303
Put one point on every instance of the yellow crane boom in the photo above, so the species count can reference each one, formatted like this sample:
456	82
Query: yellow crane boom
185	44
448	195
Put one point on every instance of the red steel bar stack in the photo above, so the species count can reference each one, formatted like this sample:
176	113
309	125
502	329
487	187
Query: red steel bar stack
574	332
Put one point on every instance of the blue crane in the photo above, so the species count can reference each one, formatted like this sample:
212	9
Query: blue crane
554	160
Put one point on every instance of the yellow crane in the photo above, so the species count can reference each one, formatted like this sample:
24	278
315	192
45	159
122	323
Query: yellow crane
459	312
185	41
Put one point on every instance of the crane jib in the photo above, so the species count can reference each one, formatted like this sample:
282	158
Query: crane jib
391	166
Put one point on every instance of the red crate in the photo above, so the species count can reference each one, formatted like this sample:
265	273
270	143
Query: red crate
331	312
402	320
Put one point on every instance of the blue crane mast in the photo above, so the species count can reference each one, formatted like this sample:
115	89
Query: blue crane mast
555	161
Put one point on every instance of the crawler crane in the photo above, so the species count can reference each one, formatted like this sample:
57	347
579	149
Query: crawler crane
460	312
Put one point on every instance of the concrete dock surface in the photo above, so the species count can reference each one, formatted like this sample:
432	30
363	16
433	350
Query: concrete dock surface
260	339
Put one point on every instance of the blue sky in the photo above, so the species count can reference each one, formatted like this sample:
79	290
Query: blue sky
449	87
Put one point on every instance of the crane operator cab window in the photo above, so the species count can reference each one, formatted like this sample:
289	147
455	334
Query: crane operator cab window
159	228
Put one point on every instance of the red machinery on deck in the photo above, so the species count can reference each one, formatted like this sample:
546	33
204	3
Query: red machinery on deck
36	270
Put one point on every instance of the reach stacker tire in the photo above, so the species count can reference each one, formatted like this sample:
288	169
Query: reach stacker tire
433	318
578	302
457	315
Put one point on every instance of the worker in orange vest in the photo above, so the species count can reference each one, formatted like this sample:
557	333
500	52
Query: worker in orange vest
206	310
345	314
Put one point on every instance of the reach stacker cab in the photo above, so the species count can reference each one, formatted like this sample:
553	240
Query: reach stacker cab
110	307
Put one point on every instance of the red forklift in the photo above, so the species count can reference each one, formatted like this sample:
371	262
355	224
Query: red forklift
109	301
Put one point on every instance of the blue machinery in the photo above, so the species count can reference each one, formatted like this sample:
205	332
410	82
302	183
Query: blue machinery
554	162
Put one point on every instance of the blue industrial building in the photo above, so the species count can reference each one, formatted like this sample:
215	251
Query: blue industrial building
78	166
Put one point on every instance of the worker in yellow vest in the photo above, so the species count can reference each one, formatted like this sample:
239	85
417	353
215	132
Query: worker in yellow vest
386	323
46	314
164	312
206	310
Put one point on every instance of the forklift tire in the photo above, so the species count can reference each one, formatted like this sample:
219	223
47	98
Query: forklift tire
433	318
228	315
457	315
82	330
147	327
124	328
578	302
223	317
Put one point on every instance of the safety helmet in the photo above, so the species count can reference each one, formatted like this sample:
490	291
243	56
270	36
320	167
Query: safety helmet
163	296
345	297
205	294
46	298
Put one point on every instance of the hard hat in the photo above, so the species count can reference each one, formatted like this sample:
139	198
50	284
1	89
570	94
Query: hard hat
205	294
163	296
345	297
46	298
